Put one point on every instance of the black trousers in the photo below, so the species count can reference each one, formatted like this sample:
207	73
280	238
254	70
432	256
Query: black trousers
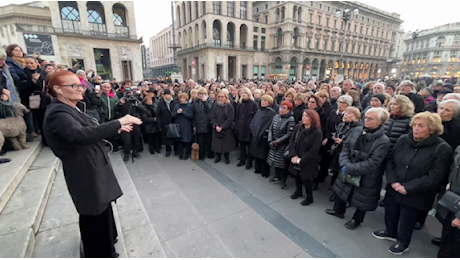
29	119
176	145
244	152
402	215
39	115
154	142
261	166
335	174
450	243
132	140
305	182
340	207
324	166
98	234
205	141
281	174
184	146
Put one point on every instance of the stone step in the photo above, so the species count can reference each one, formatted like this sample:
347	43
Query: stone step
22	214
12	173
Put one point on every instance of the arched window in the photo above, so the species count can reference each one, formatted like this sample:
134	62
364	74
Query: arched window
294	13
119	15
277	14
278	66
205	36
296	37
283	11
279	38
243	36
440	41
299	14
70	17
197	35
230	35
96	18
216	29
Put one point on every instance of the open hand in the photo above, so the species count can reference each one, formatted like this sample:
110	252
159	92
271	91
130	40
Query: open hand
456	223
125	128
130	120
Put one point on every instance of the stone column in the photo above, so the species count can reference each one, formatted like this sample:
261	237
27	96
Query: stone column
238	67
108	17
209	31
299	73
223	33
83	15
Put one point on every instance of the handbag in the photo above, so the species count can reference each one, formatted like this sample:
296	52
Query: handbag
35	99
451	201
356	180
286	152
173	131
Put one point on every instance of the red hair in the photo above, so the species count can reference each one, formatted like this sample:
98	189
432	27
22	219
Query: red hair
287	104
313	115
57	78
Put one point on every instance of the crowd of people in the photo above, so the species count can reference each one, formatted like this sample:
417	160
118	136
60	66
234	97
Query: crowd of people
399	135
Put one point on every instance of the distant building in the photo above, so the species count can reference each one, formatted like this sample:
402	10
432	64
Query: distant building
161	57
145	62
81	34
435	52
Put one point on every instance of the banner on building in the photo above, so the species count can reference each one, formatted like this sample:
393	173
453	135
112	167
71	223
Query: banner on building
39	43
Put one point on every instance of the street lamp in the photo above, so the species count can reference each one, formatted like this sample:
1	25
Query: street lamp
346	16
414	37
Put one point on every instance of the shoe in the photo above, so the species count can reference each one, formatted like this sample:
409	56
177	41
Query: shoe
382	203
275	180
202	159
227	160
126	158
398	249
211	157
176	154
307	201
4	160
152	151
382	234
296	195
136	155
418	226
332	197
2	152
265	176
34	135
240	164
248	166
168	154
186	157
257	171
333	213
283	186
352	224
158	150
29	138
315	185
436	241
217	159
115	255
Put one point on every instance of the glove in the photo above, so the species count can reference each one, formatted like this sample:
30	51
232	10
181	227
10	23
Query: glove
344	170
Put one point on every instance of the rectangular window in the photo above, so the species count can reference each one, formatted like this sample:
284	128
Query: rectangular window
103	63
243	9
327	21
311	18
325	45
266	19
257	19
262	43
333	46
262	71
263	30
361	29
216	7
255	42
372	33
319	19
12	29
256	71
349	27
196	10
204	7
231	8
256	29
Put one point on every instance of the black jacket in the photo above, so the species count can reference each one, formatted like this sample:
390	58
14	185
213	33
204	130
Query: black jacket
77	140
331	126
421	167
369	166
244	113
451	132
298	111
164	118
202	116
395	127
418	101
454	176
259	128
149	119
280	131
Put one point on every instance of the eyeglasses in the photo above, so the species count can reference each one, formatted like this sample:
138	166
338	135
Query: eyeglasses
368	118
342	102
284	107
74	86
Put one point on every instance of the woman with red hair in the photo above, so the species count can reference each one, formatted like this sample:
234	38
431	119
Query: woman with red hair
304	147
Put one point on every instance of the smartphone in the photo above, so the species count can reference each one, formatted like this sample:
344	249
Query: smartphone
97	88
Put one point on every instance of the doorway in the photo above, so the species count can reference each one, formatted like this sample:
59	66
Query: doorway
244	73
218	71
127	70
103	63
231	67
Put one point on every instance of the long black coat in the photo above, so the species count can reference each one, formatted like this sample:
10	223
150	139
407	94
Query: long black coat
184	119
77	140
149	116
244	113
222	115
395	127
451	132
331	126
280	131
421	167
418	101
366	197
298	111
202	116
259	127
164	118
305	143
343	132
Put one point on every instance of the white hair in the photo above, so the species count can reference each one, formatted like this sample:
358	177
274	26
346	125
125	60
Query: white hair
456	102
379	83
382	114
351	82
408	82
337	88
347	98
454	96
2	54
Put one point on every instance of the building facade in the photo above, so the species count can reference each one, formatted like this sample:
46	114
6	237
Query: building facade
435	52
298	39
161	57
145	54
83	35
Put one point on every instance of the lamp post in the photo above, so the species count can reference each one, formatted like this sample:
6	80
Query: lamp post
174	46
346	16
414	37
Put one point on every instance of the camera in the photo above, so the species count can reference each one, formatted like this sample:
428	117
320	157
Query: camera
131	95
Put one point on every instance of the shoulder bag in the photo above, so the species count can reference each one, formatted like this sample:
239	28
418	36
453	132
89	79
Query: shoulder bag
35	99
356	180
173	131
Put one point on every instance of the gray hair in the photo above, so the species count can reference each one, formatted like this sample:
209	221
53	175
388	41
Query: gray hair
382	114
408	82
347	98
351	82
456	102
338	88
2	53
379	83
454	96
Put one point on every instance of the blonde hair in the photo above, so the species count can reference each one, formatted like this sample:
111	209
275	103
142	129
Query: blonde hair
323	94
290	92
248	91
226	95
406	105
355	111
354	94
202	91
267	98
301	96
433	121
387	99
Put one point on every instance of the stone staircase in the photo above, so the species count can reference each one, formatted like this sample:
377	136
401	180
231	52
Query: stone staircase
38	218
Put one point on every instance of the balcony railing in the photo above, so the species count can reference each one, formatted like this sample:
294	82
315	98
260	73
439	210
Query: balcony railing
220	46
73	28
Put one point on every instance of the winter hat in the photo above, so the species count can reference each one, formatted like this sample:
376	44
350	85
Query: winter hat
390	86
381	97
444	91
167	92
429	90
450	86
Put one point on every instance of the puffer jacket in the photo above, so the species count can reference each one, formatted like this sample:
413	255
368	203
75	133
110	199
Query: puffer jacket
454	176
395	127
363	158
280	131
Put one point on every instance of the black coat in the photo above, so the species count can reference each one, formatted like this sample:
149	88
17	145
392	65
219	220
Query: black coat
77	140
244	113
184	119
421	167
259	127
305	143
280	131
331	126
451	132
223	116
149	116
343	132
327	107
202	116
164	118
298	111
370	167
418	101
29	86
395	127
454	176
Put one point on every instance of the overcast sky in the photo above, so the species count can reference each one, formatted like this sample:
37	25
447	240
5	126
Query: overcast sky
154	16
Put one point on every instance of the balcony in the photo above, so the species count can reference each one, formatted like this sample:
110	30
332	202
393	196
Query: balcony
220	46
98	29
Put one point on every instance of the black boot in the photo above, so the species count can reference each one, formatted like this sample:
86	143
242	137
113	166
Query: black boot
126	158
248	164
4	160
297	194
218	157
315	185
307	201
227	159
136	155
